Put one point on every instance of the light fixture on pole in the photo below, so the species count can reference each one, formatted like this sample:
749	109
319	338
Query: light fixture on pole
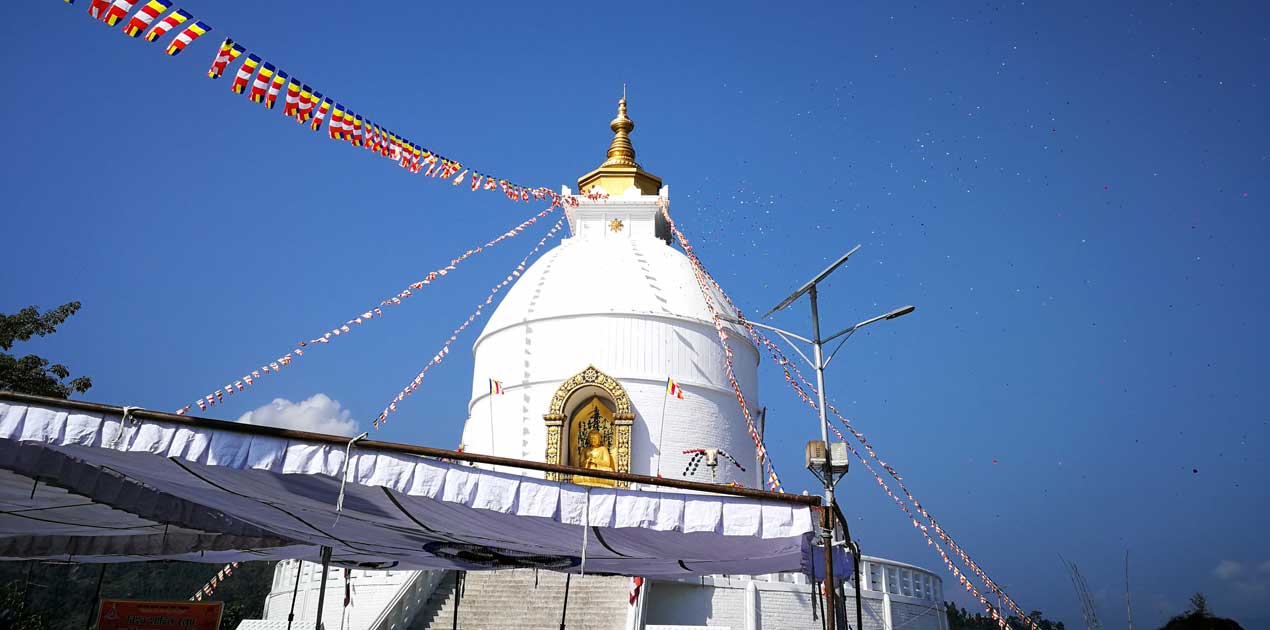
830	458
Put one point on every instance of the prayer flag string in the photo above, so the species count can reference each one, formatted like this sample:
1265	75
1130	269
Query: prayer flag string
210	586
301	102
249	379
773	481
786	367
480	309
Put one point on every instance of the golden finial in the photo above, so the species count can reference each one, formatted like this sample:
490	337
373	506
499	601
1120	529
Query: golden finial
620	171
621	152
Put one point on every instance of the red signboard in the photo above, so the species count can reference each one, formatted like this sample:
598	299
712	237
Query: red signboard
123	614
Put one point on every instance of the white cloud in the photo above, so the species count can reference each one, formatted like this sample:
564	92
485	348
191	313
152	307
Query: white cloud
1228	569
318	414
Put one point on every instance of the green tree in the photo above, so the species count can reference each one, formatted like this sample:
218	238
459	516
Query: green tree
32	374
962	619
1200	618
14	612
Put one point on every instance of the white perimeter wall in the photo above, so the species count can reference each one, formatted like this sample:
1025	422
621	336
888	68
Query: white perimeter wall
733	603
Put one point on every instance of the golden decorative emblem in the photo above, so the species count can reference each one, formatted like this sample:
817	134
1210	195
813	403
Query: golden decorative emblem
615	225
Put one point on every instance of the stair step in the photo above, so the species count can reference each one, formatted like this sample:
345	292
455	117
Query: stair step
509	598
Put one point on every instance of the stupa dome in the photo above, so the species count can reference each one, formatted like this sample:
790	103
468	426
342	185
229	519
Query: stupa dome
612	312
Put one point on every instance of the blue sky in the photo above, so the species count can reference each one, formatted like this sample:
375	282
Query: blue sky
1074	197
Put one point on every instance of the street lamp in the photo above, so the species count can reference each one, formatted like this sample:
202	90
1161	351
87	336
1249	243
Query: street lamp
818	362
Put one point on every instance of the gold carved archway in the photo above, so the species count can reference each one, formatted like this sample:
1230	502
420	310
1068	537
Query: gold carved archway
590	379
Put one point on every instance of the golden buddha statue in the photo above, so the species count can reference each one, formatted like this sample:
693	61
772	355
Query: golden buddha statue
595	456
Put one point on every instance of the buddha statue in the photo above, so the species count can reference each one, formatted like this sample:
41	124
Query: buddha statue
595	456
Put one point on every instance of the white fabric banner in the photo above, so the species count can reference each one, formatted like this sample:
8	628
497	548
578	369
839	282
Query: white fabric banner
87	487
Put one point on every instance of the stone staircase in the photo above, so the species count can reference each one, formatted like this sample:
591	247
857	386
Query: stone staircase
494	600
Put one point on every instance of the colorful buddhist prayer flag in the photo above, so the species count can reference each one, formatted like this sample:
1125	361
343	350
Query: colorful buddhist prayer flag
348	126
245	73
336	126
357	131
98	9
229	51
161	28
496	387
117	11
673	389
275	88
261	84
143	18
292	104
321	111
191	33
307	101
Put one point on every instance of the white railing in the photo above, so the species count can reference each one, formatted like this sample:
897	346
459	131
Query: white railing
408	601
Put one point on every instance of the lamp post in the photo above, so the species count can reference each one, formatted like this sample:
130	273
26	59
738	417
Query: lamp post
819	362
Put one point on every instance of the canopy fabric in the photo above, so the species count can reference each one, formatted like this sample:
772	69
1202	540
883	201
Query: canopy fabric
92	486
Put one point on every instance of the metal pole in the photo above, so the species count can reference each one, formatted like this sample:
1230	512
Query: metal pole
831	608
661	425
95	604
326	565
1127	605
855	556
565	608
459	577
295	591
859	605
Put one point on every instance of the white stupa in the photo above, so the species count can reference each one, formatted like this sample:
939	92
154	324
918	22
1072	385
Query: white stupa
608	316
585	340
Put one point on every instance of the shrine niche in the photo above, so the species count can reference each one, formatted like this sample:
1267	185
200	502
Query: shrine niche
598	430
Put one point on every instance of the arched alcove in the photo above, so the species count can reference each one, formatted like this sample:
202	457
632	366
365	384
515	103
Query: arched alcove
596	391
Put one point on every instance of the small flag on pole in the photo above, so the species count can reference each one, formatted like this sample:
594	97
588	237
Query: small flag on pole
673	389
636	584
496	387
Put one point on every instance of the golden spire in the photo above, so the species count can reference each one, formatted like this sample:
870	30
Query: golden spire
620	171
620	150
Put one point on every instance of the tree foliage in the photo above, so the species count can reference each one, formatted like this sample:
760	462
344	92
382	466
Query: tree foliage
32	374
49	596
961	619
1200	618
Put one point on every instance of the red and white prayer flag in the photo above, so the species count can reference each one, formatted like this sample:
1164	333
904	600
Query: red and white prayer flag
637	583
98	9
